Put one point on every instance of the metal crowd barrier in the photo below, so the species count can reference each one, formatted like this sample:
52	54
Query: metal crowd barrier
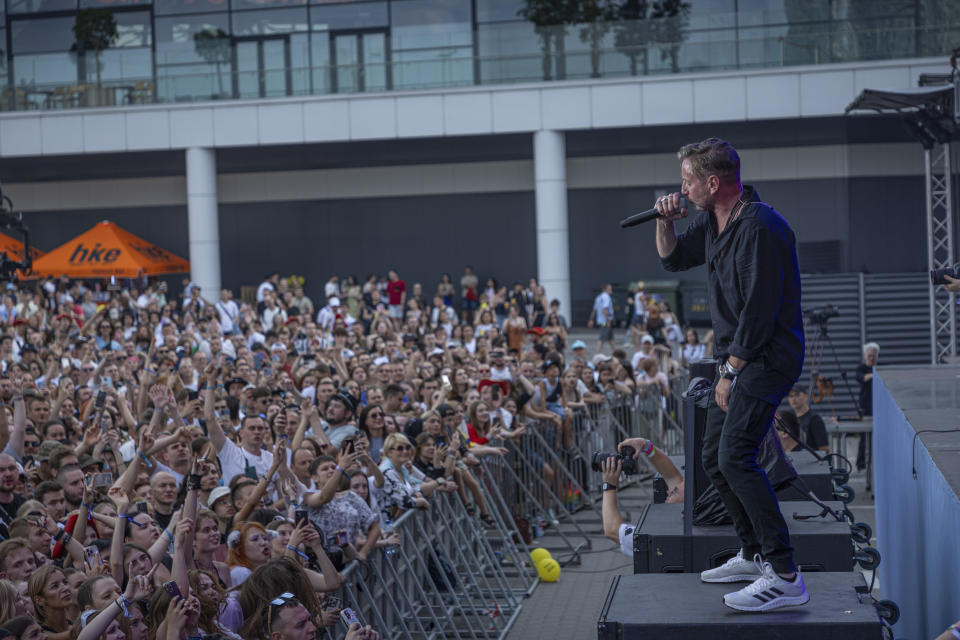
451	578
444	580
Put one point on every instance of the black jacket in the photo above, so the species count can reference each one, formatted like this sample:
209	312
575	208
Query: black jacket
753	283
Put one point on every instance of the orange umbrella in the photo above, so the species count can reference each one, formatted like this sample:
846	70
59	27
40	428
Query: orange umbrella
14	248
107	250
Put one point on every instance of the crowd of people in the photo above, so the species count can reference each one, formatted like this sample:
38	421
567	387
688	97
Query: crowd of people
175	466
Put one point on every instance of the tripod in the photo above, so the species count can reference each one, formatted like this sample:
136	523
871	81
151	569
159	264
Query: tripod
817	346
820	341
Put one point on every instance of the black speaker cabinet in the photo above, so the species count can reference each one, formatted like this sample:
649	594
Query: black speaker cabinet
813	472
820	544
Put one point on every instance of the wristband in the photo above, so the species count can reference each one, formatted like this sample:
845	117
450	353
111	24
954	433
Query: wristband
144	458
67	537
169	535
342	472
123	603
194	482
652	452
58	535
298	552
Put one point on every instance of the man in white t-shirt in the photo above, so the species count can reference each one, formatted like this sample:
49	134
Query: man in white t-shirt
229	312
249	458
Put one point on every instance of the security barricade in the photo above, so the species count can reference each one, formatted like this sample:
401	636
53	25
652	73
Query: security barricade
450	577
444	580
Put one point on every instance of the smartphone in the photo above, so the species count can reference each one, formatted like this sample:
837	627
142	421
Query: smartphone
93	556
107	381
333	602
299	515
340	538
446	380
141	507
348	617
101	480
101	400
172	589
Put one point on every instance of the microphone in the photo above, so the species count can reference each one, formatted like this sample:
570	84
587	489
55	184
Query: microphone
648	215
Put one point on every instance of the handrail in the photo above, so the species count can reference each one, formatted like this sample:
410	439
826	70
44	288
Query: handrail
446	71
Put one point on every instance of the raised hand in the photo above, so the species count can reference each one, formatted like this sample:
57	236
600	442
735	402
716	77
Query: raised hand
119	498
140	587
158	395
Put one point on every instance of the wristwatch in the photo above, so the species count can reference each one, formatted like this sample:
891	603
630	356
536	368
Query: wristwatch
727	371
606	486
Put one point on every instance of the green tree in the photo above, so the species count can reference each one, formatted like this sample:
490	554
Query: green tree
95	30
668	26
549	18
596	16
632	35
213	45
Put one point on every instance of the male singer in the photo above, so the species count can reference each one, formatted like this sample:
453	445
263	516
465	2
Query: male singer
754	290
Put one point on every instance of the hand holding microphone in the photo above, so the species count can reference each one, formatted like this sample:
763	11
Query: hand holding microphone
670	207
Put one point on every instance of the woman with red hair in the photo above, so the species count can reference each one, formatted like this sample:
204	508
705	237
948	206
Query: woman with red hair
247	548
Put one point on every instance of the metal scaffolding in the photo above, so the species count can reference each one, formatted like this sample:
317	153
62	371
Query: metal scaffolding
932	113
940	253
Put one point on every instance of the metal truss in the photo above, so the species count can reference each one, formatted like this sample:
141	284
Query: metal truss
940	253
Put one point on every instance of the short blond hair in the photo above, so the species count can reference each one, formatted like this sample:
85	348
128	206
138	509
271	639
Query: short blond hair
394	439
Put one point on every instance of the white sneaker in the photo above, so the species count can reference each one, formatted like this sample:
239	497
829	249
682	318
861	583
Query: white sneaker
736	569
769	591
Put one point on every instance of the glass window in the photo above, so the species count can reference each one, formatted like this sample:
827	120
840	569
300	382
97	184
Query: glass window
178	39
712	14
418	24
45	69
269	21
509	52
331	17
3	55
193	57
36	6
133	29
764	12
42	34
498	10
320	61
164	7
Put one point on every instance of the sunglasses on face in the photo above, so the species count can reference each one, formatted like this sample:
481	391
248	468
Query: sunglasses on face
402	447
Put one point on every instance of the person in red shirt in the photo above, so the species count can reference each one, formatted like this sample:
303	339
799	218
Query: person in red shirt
396	297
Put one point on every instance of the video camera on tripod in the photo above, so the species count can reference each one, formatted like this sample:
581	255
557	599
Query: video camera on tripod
821	314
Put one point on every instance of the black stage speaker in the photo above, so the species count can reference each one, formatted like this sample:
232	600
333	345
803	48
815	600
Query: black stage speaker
812	471
660	546
680	607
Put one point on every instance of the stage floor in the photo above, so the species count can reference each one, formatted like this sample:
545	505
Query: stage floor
930	399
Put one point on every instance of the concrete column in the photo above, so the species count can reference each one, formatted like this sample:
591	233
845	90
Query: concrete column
553	243
202	220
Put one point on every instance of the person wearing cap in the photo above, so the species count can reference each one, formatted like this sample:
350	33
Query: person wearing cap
645	351
499	368
221	504
327	316
339	412
812	431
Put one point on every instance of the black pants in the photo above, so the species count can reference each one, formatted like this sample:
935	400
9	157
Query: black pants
730	444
